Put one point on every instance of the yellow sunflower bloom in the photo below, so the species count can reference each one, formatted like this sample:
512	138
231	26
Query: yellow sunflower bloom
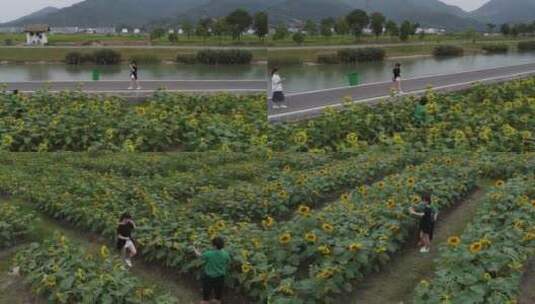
268	222
325	250
104	251
354	247
311	237
327	227
245	268
285	238
499	183
454	241
476	247
303	210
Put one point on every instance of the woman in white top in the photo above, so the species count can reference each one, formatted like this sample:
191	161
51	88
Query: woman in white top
276	87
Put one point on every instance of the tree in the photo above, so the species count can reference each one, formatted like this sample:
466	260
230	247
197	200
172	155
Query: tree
392	28
260	24
172	37
220	27
326	27
298	38
281	32
311	28
239	21
187	28
505	29
358	20
491	27
203	28
377	23
341	26
157	33
471	34
405	30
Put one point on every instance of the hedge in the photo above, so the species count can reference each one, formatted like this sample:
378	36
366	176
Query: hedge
104	56
526	46
328	59
224	57
448	50
361	55
495	48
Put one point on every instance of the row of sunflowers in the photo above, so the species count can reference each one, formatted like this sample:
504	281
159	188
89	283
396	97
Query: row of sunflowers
14	224
74	121
270	253
485	263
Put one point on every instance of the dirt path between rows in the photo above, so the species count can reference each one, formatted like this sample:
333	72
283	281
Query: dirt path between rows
395	283
527	285
150	274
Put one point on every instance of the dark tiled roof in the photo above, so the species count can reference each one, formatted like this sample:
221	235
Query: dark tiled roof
37	28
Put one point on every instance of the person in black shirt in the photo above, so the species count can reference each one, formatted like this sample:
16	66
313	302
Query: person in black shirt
133	76
125	242
397	77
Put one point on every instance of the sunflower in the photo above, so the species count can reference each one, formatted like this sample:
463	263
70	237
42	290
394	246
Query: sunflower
220	224
454	241
286	168
381	185
301	138
311	237
363	190
411	181
533	203
245	268
268	222
391	204
303	210
345	197
424	283
354	247
285	238
487	276
327	227
529	236
325	250
104	251
499	183
256	243
415	199
283	194
476	247
140	111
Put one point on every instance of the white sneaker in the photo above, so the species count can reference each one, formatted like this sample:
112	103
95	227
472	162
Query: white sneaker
128	262
424	250
276	107
130	88
284	106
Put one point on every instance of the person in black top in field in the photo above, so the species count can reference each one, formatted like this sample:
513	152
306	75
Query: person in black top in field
133	76
125	242
397	78
428	216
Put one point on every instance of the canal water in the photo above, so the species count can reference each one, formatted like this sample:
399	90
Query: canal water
58	72
315	77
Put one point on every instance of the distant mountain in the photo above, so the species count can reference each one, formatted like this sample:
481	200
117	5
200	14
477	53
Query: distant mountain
38	14
217	8
427	12
503	11
288	10
116	12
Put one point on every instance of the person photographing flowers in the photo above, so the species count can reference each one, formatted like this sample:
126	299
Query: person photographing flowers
125	242
216	262
428	215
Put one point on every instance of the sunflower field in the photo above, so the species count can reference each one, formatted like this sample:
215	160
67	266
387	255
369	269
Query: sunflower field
74	121
15	224
497	117
300	227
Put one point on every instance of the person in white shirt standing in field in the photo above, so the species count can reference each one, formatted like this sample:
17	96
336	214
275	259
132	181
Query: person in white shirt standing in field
276	87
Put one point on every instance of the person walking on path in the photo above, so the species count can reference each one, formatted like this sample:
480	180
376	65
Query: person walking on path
397	78
125	242
428	216
133	76
276	87
216	263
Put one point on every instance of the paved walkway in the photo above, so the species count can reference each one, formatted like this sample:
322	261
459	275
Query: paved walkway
309	104
147	87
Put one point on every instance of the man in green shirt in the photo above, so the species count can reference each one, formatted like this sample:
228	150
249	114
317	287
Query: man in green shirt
216	264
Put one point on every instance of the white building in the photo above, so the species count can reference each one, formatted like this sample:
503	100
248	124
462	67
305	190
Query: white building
124	31
137	31
37	34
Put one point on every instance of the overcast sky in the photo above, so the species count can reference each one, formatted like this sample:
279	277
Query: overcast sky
12	9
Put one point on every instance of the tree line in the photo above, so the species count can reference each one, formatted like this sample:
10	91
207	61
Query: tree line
353	23
234	24
508	29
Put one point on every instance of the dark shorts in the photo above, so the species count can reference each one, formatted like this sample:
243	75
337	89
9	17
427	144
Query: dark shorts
212	285
427	228
278	96
133	76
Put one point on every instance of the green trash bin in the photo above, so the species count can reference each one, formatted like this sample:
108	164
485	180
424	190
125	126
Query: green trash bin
354	78
96	75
